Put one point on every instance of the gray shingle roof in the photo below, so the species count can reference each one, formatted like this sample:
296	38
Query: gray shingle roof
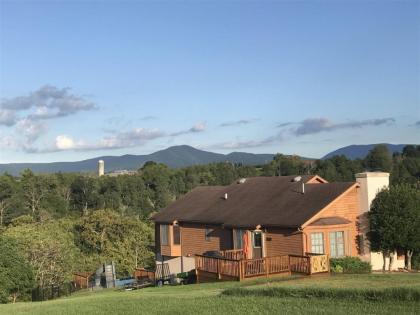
266	201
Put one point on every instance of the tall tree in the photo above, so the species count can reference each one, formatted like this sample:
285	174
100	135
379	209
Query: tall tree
394	221
379	159
84	191
34	189
16	277
6	193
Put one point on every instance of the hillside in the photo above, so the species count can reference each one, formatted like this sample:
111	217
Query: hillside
176	156
361	150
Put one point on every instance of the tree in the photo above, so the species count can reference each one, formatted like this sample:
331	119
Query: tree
34	190
49	248
283	165
109	236
379	159
84	193
6	193
394	221
16	277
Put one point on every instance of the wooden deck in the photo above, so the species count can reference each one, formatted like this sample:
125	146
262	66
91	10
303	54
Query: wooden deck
233	266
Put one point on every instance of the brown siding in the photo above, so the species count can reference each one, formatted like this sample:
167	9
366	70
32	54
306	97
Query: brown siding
347	207
283	242
193	239
157	238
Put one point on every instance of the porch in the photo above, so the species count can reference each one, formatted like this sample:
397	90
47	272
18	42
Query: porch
232	265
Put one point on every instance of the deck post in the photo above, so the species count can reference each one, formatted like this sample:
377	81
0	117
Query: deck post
240	270
267	267
196	269
218	269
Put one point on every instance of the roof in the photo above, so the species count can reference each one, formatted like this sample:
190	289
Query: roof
265	201
330	221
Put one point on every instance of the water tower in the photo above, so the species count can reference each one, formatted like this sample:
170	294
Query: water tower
101	168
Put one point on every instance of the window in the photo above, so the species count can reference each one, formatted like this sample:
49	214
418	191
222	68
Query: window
207	234
164	232
257	239
337	244
317	243
177	234
238	236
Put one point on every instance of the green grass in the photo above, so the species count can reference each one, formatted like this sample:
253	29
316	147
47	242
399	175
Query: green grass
208	298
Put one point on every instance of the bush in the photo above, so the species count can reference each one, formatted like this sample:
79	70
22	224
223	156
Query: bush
349	265
415	261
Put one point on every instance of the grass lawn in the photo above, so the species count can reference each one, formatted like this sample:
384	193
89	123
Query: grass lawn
206	299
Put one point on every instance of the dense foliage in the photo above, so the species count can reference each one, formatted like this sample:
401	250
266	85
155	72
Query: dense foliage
349	265
16	278
394	222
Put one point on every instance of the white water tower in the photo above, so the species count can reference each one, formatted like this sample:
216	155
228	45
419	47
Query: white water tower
101	168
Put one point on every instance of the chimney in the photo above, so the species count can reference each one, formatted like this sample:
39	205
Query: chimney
101	168
370	184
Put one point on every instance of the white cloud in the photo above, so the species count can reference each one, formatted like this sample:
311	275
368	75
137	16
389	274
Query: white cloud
127	139
7	117
64	142
244	144
198	127
46	103
316	125
30	130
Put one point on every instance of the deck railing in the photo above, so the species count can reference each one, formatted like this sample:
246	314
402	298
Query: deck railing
219	266
265	266
300	264
234	254
225	268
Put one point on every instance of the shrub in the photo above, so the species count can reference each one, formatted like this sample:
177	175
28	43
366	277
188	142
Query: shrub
349	265
415	261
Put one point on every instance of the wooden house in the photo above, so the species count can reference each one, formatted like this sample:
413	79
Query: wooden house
261	219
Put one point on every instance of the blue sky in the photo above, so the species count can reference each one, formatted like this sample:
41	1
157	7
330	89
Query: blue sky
80	79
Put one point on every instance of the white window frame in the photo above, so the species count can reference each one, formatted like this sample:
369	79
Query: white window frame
334	244
319	237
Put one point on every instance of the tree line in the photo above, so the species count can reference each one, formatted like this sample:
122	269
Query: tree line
58	224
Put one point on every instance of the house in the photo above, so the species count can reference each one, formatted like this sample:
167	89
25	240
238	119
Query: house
265	217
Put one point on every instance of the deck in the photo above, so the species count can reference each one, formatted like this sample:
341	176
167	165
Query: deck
233	266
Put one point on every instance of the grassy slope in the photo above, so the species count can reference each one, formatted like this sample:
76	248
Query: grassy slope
205	299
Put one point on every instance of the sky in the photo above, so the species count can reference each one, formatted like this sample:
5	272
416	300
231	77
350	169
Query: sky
80	79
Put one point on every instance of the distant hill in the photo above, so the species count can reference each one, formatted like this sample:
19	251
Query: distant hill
176	156
360	151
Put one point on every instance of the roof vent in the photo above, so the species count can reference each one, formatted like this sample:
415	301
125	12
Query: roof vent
297	179
242	181
226	196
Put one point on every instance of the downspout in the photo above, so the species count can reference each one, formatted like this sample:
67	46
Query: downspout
306	240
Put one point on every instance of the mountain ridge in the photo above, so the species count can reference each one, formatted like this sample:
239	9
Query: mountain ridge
359	151
175	157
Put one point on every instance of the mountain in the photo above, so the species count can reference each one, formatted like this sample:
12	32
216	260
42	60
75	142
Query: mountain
360	151
176	156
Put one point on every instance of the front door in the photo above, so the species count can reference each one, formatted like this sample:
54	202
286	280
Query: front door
257	244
